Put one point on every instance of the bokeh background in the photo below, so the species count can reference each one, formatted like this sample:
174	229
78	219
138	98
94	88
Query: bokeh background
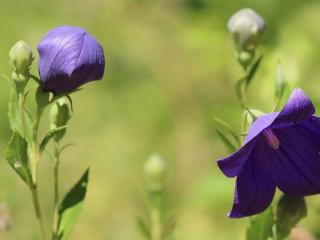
170	70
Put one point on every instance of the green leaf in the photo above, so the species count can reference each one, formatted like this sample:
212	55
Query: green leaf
15	118
231	147
260	227
50	135
280	82
290	210
144	229
17	156
253	71
230	130
71	206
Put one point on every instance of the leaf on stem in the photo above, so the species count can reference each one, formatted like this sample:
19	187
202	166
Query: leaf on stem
261	226
71	206
243	83
17	156
290	210
50	135
16	125
231	139
253	70
144	229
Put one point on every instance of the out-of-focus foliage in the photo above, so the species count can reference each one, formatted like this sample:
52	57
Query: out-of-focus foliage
170	70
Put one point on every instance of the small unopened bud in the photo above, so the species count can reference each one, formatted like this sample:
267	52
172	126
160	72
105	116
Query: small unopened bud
21	57
155	170
60	114
247	28
42	98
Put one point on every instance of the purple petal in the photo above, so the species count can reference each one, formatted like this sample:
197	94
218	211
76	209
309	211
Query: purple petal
254	188
295	165
298	108
231	166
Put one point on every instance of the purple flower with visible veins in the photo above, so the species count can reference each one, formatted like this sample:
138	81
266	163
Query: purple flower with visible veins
69	58
282	149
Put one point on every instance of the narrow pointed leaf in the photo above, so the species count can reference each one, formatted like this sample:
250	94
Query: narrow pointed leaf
17	156
50	135
71	206
253	71
261	226
230	130
280	82
144	229
231	147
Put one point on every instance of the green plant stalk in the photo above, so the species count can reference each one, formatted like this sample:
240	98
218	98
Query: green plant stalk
56	192
156	223
21	112
37	208
34	159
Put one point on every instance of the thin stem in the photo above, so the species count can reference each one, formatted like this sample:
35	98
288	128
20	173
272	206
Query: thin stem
21	112
37	209
56	192
156	223
34	160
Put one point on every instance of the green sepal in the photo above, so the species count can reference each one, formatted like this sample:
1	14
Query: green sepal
51	135
261	226
290	210
17	157
71	206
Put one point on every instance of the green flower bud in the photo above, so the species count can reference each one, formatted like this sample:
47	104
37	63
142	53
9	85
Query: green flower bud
155	170
60	114
42	98
21	57
245	58
247	28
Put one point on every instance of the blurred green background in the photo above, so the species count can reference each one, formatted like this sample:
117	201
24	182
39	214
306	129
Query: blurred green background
170	70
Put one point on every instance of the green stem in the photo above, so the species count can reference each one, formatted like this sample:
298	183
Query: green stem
21	112
156	223
56	192
37	209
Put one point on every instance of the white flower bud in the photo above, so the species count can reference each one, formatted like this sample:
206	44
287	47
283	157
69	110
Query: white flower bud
247	28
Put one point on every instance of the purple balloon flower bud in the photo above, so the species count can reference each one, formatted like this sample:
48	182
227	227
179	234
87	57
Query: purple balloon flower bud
69	58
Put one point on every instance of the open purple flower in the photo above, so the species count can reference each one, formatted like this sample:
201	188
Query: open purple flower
69	57
282	149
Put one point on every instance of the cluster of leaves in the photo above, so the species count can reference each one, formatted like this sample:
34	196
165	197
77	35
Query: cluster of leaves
20	153
277	225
